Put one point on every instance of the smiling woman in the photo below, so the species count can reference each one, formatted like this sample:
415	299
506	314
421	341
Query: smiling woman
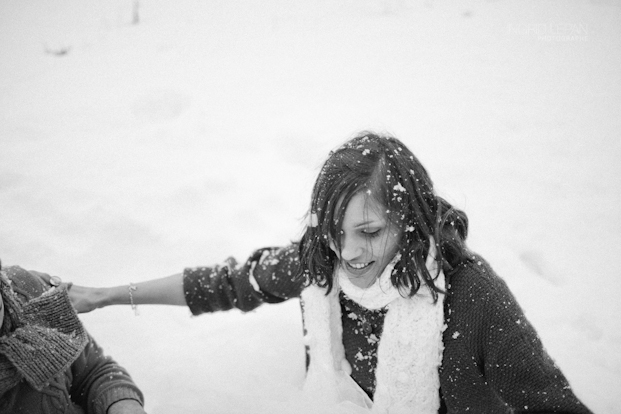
399	315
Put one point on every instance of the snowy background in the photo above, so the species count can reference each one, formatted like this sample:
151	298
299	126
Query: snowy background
129	151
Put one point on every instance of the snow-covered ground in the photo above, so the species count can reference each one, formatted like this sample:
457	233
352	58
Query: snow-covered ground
129	151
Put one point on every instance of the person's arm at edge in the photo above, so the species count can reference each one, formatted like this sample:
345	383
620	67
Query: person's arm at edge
126	407
99	383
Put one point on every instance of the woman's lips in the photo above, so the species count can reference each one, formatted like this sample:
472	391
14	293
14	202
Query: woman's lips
358	271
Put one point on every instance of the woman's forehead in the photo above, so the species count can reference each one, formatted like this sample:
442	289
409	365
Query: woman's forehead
363	209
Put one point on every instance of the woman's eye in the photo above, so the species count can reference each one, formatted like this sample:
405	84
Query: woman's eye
373	233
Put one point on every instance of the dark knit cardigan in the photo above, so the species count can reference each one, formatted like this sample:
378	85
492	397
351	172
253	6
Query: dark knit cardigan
60	371
493	360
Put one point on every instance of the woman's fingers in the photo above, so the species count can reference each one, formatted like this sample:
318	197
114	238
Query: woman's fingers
82	298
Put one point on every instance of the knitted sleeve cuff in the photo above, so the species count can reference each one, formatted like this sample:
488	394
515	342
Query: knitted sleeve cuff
112	395
269	275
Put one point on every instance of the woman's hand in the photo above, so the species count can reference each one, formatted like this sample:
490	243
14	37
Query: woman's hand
126	407
85	299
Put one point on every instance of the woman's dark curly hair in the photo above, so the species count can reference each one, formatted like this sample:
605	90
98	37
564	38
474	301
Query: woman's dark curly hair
385	169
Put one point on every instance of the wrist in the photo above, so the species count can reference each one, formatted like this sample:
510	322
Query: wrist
106	297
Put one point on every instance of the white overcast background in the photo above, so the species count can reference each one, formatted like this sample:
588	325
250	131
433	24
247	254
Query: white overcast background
139	138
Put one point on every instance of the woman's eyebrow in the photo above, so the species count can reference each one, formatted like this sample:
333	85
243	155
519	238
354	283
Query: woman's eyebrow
366	223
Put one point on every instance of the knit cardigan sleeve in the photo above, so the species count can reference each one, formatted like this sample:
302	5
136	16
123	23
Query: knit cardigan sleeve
505	346
269	275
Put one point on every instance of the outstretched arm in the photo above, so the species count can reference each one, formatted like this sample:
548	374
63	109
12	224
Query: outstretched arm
269	275
164	291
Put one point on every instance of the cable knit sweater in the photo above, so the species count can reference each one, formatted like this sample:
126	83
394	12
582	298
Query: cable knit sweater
493	360
48	362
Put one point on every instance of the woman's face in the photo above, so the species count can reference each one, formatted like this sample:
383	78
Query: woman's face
368	240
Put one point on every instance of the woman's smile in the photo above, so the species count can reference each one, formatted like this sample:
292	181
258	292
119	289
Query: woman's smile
356	270
359	266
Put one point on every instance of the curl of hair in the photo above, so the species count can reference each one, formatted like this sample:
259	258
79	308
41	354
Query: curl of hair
382	167
12	307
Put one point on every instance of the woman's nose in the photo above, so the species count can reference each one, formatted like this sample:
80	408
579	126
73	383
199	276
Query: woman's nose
350	248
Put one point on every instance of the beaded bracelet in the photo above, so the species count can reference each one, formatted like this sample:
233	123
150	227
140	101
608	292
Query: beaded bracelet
132	288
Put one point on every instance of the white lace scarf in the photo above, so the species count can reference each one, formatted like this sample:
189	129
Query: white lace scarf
409	353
